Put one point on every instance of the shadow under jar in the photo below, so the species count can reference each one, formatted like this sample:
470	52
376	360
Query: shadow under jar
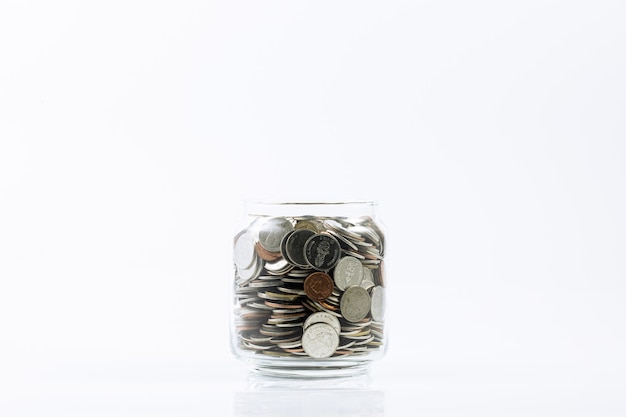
308	288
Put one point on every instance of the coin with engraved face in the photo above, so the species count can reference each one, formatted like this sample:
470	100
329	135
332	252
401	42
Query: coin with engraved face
320	340
348	272
323	317
318	286
322	251
355	304
272	231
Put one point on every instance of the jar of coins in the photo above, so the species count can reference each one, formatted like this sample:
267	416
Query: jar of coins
308	288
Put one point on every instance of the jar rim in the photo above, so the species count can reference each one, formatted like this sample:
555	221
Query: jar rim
346	208
271	202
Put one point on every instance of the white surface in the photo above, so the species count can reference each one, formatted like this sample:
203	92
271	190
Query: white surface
491	133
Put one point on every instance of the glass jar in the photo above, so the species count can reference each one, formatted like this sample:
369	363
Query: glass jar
308	288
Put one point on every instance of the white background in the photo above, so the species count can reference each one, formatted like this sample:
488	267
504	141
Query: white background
491	133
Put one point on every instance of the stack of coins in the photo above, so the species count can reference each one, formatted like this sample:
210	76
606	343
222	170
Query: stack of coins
310	287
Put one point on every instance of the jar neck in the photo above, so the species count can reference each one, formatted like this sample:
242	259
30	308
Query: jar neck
347	209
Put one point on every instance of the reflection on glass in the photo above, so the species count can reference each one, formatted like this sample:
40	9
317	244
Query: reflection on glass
278	397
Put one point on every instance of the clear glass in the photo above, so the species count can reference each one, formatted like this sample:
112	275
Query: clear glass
309	288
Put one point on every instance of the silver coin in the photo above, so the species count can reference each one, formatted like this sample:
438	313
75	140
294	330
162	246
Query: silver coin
260	306
368	278
320	340
276	296
257	339
294	247
364	342
246	300
353	253
279	267
288	290
256	284
378	303
355	304
290	345
343	240
248	274
243	252
283	247
323	317
348	272
272	232
256	347
367	232
322	251
335	225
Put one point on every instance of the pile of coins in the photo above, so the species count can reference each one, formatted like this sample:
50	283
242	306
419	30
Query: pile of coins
309	286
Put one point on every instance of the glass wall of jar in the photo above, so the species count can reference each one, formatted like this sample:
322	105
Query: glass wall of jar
308	288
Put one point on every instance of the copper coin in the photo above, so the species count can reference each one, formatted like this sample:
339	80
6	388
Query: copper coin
318	286
265	254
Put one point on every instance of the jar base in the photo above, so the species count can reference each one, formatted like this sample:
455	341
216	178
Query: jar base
310	369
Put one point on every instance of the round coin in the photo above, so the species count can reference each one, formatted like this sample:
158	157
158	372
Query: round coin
273	231
378	303
348	272
283	247
312	225
320	340
355	303
243	252
248	274
322	251
323	317
294	247
318	286
265	254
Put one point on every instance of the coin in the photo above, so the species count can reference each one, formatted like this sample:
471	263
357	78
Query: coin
312	225
316	306
323	317
345	243
337	226
368	279
348	272
275	296
273	231
378	303
379	274
283	247
265	254
318	286
320	340
253	271
294	247
322	251
355	303
279	267
366	232
243	252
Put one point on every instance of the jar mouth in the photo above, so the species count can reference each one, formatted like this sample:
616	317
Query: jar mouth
310	203
342	208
